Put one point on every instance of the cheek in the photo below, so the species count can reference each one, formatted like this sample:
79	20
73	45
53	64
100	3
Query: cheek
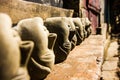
65	36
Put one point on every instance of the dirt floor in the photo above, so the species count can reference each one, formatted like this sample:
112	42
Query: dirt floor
83	63
111	65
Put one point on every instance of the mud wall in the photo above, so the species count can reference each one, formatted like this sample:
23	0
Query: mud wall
22	9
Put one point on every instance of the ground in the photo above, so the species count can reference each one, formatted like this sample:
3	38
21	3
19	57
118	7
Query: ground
83	63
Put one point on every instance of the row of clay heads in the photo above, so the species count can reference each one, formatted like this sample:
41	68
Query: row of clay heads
35	45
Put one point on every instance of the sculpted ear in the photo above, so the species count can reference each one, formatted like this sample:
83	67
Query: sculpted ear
51	40
71	34
26	48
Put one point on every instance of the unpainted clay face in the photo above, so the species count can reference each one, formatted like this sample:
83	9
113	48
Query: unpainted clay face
9	49
42	58
60	26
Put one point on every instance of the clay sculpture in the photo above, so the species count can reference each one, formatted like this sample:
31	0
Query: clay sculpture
62	26
87	26
72	32
79	30
9	50
42	58
25	48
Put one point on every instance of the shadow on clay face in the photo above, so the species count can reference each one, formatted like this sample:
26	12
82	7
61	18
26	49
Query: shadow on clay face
61	51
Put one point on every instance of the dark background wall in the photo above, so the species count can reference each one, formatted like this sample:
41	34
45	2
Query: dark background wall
112	15
72	4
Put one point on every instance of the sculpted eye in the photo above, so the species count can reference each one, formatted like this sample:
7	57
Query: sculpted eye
69	26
